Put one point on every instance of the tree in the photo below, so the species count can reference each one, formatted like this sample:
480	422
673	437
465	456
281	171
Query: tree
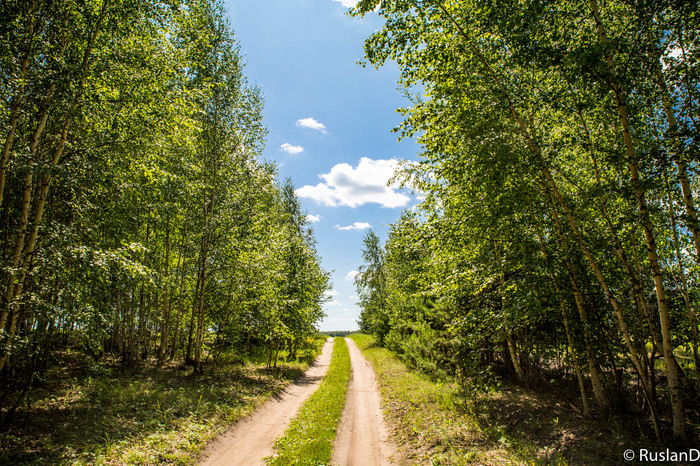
544	128
371	288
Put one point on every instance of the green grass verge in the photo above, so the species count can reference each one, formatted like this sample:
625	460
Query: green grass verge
309	438
435	424
430	428
89	414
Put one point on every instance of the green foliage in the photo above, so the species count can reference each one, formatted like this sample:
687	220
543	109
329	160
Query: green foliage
371	288
559	174
139	221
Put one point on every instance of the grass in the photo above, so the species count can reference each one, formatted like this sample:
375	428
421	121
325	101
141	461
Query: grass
435	424
309	438
428	424
89	414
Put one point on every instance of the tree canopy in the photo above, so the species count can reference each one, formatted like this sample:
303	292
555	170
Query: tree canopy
559	160
137	218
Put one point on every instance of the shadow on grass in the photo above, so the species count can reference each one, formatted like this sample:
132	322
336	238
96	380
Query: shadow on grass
83	417
539	428
436	423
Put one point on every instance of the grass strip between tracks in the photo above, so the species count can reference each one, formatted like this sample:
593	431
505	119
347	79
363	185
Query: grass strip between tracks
309	438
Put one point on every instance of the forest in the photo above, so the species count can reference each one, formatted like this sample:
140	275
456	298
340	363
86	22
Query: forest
558	242
160	281
138	220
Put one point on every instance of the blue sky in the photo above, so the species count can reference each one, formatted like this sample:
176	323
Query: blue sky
329	122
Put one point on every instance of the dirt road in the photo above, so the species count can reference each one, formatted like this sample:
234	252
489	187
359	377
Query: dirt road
362	437
250	440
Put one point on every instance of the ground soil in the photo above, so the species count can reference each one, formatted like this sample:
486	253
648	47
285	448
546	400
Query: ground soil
250	440
362	437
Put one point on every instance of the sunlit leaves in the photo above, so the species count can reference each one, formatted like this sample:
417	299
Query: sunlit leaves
161	230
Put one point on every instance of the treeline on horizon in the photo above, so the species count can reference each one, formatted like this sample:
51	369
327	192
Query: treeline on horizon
137	220
558	241
339	333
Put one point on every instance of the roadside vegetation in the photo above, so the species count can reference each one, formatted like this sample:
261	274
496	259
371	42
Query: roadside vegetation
144	240
557	244
436	422
309	438
340	333
83	413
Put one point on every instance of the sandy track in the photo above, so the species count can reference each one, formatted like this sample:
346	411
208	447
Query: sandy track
250	440
362	437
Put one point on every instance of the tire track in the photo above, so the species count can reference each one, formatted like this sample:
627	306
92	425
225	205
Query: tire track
362	437
250	440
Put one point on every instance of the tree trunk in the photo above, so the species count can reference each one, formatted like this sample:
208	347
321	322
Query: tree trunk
269	355
181	294
142	298
513	351
569	337
645	219
129	354
692	318
632	273
15	272
676	151
195	301
570	341
622	323
166	296
200	324
17	278
16	104
277	351
598	393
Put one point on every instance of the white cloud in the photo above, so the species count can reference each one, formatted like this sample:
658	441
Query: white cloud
355	226
331	294
290	149
348	186
347	3
313	218
672	52
312	124
351	275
